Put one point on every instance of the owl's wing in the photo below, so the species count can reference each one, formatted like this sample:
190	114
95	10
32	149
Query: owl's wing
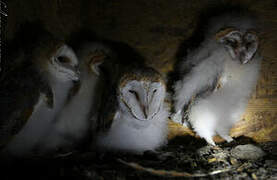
19	93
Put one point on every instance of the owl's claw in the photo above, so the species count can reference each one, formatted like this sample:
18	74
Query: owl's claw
227	138
178	118
210	141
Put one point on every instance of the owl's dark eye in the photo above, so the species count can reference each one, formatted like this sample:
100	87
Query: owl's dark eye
134	93
155	90
232	43
63	59
131	91
248	45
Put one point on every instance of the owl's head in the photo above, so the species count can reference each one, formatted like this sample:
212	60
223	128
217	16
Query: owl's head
141	94
241	44
57	59
236	29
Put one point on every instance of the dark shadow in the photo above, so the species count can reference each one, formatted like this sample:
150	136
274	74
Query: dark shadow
125	53
241	140
80	37
25	40
190	143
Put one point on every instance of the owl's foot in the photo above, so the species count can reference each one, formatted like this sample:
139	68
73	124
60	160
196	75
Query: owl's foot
227	138
178	118
210	141
224	133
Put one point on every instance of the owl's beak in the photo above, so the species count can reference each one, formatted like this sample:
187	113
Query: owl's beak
244	57
145	111
76	77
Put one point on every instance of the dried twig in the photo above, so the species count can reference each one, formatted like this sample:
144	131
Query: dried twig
171	173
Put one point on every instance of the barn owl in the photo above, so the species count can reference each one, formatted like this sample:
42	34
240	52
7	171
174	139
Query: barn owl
34	92
81	111
136	112
221	74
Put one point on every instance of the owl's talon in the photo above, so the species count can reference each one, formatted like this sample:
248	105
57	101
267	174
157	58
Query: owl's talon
210	141
177	117
228	138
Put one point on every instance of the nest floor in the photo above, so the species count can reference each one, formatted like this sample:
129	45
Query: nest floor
184	157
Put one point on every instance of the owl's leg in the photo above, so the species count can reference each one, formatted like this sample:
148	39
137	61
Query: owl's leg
177	117
180	118
210	141
204	132
225	136
185	120
203	120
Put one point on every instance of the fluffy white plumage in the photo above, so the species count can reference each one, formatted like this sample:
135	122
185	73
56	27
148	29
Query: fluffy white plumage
124	137
228	57
140	120
81	111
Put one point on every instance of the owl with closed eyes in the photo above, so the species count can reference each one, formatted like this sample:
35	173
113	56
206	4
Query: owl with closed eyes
135	112
218	76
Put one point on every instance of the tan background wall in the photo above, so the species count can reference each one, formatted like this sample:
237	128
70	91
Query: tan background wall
156	28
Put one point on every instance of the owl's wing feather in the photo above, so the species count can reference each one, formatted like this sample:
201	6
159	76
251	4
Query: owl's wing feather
109	106
202	76
20	90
